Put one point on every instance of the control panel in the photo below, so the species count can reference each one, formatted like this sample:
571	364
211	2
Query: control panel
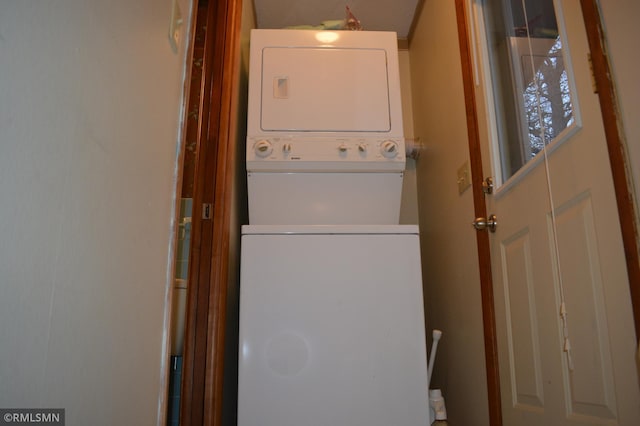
325	154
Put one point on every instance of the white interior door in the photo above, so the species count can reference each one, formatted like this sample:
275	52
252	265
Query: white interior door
557	246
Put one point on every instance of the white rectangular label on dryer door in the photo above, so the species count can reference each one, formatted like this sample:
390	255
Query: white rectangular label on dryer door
280	87
325	90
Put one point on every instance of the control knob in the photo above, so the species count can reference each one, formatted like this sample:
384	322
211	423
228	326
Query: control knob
389	149
342	148
263	148
286	148
362	147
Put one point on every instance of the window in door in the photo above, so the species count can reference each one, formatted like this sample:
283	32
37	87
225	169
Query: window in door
530	81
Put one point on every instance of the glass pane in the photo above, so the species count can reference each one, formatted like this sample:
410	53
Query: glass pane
529	81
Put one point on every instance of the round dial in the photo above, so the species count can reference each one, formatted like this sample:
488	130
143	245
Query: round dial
263	148
362	147
342	148
389	149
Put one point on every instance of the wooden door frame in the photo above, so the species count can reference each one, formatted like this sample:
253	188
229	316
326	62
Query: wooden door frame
619	167
621	173
203	361
480	210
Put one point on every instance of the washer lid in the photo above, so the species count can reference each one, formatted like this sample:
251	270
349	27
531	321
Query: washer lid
328	229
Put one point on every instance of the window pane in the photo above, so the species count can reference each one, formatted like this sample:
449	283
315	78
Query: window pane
529	81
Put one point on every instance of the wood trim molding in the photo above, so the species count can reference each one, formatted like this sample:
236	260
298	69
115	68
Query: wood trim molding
615	144
194	357
203	362
484	250
230	16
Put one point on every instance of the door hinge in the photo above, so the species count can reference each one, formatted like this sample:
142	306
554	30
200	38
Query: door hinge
487	185
207	210
594	82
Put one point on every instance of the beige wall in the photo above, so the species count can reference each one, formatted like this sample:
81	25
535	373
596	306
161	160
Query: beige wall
449	254
90	107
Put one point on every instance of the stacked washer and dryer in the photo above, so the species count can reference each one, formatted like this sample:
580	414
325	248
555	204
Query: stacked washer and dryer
331	308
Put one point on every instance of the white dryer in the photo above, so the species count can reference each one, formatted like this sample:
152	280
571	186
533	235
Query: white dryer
331	327
324	135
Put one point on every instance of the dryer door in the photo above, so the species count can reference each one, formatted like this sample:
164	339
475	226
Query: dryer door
325	90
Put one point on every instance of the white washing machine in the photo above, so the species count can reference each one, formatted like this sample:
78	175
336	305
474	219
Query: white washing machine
331	327
324	135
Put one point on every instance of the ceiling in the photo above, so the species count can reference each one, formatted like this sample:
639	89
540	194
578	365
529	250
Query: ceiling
374	15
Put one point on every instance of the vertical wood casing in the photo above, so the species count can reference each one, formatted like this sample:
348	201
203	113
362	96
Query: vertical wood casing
229	24
192	389
484	250
615	144
209	255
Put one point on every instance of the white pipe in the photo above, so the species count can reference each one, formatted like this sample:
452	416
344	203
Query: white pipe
432	357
